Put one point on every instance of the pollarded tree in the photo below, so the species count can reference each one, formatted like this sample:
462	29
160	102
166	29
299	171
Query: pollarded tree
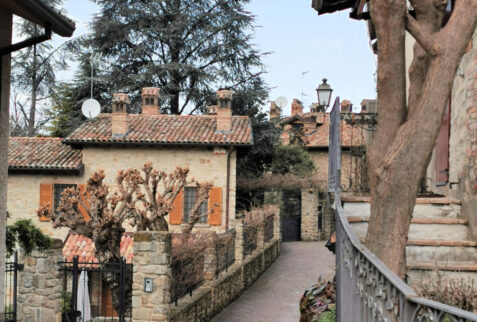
141	198
407	129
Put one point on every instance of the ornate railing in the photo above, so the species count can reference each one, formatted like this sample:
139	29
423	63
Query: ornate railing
366	289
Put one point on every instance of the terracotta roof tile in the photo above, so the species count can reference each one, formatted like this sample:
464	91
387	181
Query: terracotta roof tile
164	129
83	247
42	154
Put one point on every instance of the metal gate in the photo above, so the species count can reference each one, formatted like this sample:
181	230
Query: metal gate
107	283
291	217
11	277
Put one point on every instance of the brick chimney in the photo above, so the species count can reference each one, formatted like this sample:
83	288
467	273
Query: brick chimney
150	101
224	110
119	117
275	111
309	123
296	107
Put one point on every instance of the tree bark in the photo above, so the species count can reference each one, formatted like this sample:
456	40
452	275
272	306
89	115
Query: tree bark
396	168
34	86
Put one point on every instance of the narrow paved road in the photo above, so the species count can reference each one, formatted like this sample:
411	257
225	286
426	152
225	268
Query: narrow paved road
276	294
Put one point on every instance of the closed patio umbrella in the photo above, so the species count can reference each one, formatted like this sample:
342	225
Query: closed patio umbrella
83	304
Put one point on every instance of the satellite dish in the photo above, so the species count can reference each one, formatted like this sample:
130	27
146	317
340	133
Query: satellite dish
281	102
356	109
90	108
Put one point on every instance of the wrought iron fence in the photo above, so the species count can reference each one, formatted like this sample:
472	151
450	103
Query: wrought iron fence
268	228
250	236
224	251
109	291
11	278
366	289
187	274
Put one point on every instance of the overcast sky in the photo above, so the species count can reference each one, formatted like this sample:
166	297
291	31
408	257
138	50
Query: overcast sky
332	46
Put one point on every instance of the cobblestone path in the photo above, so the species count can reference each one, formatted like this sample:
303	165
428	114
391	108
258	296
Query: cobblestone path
275	296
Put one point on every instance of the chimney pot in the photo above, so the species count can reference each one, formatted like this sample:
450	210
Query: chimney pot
224	110
119	117
296	107
275	111
150	100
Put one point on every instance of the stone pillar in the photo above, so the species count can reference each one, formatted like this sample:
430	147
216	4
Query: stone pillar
40	286
309	214
239	242
261	236
152	259
210	260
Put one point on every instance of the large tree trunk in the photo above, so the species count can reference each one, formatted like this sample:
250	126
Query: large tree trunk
34	86
5	40
405	137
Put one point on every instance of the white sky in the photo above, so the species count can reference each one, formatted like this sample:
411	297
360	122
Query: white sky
332	46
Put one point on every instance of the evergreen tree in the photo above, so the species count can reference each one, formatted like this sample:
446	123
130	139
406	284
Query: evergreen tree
33	73
188	48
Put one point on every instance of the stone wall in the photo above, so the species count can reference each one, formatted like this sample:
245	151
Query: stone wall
316	221
152	259
40	286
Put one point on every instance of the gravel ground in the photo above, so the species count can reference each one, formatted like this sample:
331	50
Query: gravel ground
276	294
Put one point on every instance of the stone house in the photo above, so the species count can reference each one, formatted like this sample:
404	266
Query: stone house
40	168
305	218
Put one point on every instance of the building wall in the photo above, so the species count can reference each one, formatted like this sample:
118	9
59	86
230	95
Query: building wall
205	164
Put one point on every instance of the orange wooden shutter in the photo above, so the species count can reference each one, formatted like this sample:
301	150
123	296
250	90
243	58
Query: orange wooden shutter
215	206
175	217
442	150
83	211
46	197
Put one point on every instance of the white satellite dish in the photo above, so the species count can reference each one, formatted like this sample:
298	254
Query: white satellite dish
91	108
281	102
356	109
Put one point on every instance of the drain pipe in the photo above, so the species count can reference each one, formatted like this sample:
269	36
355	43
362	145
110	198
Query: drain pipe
227	193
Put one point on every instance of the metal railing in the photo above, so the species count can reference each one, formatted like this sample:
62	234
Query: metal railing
366	289
11	284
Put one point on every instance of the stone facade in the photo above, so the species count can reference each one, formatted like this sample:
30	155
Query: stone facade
205	164
40	286
152	259
462	182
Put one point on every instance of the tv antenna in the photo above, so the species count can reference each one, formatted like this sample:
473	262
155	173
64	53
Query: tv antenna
303	86
94	61
91	107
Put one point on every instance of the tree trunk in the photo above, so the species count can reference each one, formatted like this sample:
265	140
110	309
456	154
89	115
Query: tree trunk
399	155
5	40
34	86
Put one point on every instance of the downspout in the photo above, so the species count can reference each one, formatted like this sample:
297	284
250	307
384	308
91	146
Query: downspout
227	193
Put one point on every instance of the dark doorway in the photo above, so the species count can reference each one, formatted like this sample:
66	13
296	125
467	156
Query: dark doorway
291	215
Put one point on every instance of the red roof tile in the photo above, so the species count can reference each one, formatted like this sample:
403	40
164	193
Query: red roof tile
42	154
164	130
83	247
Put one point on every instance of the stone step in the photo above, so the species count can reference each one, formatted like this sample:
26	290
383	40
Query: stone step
442	266
421	210
446	221
415	277
424	231
430	253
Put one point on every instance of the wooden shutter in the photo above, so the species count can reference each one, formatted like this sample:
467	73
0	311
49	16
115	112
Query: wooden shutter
175	217
46	197
215	206
442	150
83	211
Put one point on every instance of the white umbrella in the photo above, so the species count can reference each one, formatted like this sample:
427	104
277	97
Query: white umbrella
83	304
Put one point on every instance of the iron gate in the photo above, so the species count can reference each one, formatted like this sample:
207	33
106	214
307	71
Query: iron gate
11	277
291	217
108	283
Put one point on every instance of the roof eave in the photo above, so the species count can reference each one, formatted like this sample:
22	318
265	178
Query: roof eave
30	170
158	144
41	13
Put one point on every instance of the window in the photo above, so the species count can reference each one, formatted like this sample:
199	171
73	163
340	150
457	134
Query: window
190	197
58	189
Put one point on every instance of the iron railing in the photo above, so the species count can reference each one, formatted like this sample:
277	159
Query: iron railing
224	251
268	228
11	285
366	289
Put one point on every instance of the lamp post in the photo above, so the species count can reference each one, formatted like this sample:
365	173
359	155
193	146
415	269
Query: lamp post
324	94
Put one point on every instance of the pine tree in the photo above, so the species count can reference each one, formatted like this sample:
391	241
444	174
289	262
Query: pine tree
187	48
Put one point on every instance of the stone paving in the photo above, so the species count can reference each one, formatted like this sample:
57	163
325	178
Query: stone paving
276	294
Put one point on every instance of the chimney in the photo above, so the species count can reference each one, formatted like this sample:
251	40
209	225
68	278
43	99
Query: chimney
212	109
309	123
275	111
346	106
296	107
150	101
119	117
224	110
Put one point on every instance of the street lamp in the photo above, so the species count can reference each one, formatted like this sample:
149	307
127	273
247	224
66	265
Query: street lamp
324	94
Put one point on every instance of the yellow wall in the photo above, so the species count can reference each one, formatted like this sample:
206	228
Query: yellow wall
205	164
